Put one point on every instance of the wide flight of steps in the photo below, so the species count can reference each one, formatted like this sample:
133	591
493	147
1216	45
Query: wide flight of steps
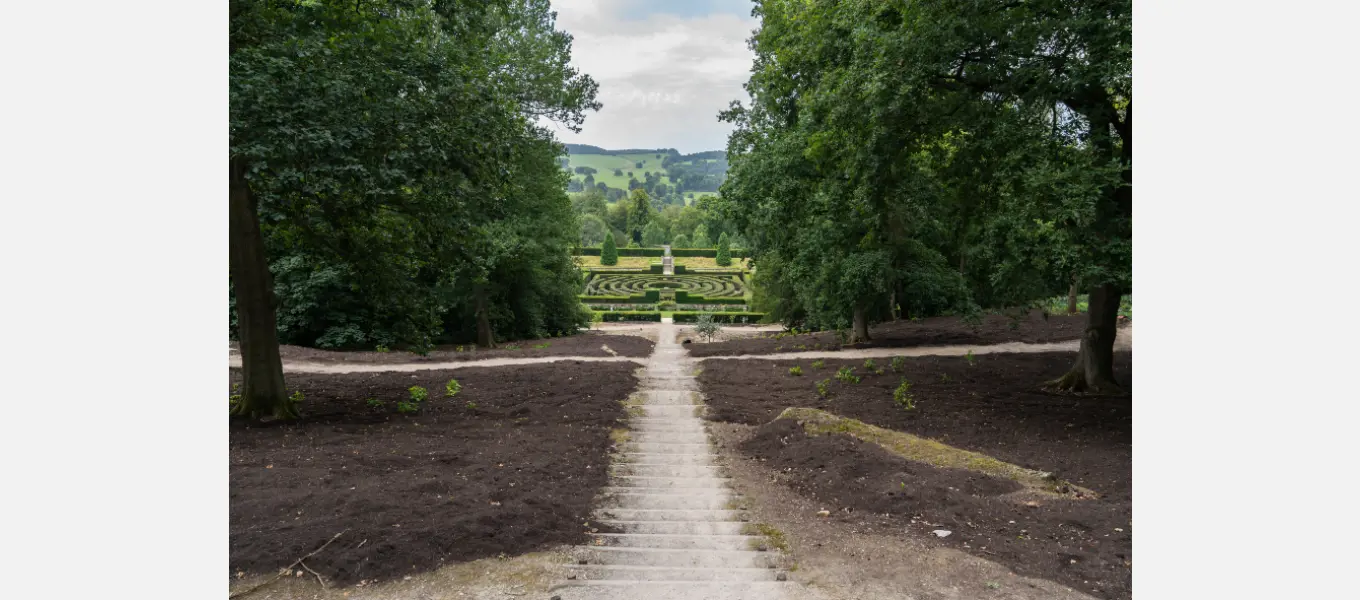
678	532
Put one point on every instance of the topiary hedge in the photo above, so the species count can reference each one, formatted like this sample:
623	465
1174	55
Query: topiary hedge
620	315
748	318
659	252
683	297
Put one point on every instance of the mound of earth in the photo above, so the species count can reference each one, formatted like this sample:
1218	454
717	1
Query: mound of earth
993	405
1033	328
508	465
584	344
1084	544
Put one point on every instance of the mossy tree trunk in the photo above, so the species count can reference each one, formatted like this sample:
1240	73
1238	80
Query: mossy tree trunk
1094	369
860	333
485	337
1072	299
262	391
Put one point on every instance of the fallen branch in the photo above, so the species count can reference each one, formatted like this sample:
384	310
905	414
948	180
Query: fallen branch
318	575
289	569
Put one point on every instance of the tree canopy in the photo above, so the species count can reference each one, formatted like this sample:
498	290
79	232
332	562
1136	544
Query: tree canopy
941	155
389	182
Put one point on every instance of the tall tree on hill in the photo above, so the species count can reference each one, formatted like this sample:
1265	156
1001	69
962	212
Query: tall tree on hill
351	150
724	258
609	252
680	241
639	213
701	237
653	235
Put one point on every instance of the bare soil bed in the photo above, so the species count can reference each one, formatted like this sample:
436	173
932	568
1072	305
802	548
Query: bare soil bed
508	465
1032	328
585	344
993	406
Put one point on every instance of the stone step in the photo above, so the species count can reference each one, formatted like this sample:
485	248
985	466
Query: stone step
681	542
676	527
677	558
711	500
695	481
647	573
663	437
682	411
641	469
686	429
675	590
672	382
670	398
668	458
664	514
668	447
673	490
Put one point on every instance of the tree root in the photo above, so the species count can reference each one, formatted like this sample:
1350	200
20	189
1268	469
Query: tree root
1075	381
289	569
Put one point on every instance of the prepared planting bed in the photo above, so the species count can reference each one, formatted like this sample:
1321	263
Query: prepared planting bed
585	344
936	331
707	285
508	465
993	406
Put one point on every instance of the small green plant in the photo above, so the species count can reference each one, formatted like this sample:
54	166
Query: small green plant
869	364
847	375
819	363
407	408
512	347
418	394
824	388
375	403
452	388
796	371
471	405
992	585
898	363
542	346
381	348
235	396
970	358
297	397
902	396
944	377
458	349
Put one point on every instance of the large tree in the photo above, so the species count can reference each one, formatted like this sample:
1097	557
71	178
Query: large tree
910	147
386	144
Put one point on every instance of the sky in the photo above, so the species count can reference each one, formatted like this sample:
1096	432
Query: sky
665	69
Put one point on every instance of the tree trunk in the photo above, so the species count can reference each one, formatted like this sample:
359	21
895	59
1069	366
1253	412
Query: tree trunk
262	391
1072	299
892	304
485	339
1094	369
861	327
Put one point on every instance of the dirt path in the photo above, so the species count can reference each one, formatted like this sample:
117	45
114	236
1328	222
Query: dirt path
1124	341
656	331
333	369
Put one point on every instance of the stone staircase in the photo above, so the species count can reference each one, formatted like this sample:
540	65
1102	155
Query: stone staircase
677	532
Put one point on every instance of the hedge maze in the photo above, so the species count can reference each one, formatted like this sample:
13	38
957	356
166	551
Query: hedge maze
640	295
705	286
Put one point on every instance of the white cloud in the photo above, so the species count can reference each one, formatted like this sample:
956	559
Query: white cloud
663	76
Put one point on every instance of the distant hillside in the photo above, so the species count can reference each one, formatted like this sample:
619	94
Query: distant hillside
663	172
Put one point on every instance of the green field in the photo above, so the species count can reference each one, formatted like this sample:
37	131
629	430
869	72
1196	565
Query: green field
604	165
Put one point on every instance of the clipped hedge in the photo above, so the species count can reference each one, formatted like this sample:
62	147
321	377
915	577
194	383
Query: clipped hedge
722	317
683	297
621	315
679	269
656	269
659	252
615	299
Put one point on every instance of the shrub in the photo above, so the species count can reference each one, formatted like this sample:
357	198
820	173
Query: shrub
898	363
824	387
418	394
628	315
724	255
847	375
902	396
722	317
796	371
452	388
609	253
706	326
